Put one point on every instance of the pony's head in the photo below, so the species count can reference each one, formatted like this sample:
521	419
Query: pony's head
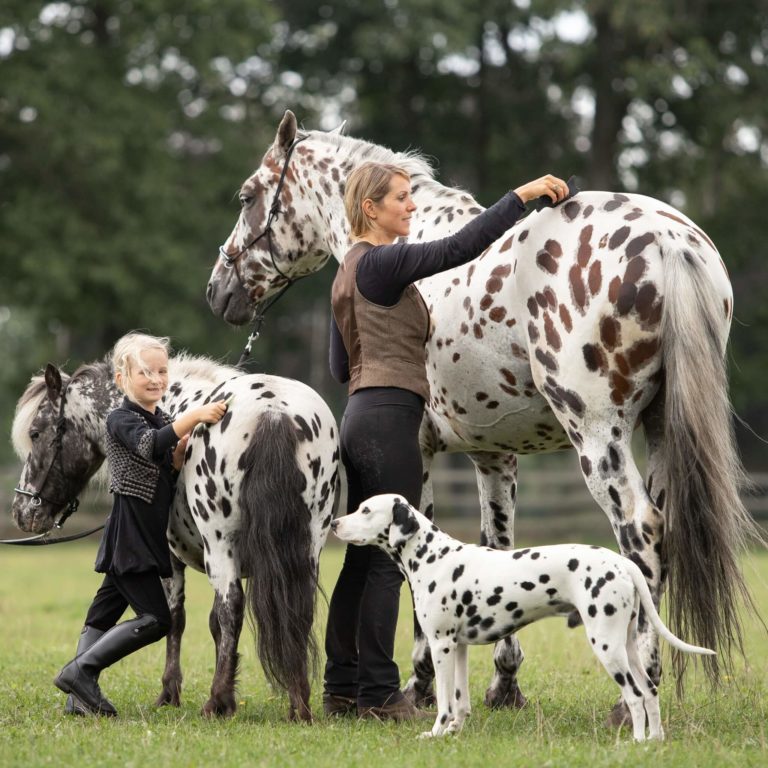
51	433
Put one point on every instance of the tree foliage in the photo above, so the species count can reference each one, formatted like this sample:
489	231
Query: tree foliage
126	126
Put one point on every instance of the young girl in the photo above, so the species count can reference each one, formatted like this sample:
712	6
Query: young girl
145	450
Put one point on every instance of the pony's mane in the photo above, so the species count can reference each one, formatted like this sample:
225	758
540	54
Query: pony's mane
26	410
185	366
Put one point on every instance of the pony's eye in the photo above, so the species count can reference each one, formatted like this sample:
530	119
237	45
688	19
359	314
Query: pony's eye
35	435
245	200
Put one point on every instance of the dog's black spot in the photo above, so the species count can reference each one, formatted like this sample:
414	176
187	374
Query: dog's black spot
466	598
510	606
609	609
592	611
457	573
619	678
432	586
573	564
493	599
544	578
527	585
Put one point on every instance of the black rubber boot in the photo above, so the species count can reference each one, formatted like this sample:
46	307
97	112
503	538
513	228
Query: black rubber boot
80	676
74	706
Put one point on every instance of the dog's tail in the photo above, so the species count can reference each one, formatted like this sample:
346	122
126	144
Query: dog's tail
644	594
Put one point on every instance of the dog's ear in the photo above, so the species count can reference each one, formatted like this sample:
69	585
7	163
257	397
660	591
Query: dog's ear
404	524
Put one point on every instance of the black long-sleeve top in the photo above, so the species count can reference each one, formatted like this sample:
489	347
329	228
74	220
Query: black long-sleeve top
385	271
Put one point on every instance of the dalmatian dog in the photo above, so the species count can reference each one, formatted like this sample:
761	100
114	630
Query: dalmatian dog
472	595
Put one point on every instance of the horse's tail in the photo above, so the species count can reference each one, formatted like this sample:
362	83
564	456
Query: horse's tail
707	525
276	554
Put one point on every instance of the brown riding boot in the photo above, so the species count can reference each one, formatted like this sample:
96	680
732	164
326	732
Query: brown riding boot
400	710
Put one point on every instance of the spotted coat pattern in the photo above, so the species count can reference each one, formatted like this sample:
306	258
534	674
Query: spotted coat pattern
468	595
551	339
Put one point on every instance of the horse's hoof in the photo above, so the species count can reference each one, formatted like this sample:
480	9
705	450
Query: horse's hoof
505	698
618	716
421	698
213	708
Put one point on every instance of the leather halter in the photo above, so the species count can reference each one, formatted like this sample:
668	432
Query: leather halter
37	495
233	259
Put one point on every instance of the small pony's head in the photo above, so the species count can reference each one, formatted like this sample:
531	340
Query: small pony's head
387	521
59	458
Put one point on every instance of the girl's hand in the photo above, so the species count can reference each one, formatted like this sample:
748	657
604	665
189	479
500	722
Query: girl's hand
212	412
556	189
179	451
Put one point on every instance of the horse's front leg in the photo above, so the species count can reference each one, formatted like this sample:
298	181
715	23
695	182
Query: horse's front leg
497	485
172	677
226	623
419	688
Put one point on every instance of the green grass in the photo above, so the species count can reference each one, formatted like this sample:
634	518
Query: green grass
43	597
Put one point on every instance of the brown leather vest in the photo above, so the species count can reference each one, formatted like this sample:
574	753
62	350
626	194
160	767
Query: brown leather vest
385	345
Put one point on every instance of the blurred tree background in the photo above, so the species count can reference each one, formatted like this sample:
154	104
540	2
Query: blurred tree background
127	126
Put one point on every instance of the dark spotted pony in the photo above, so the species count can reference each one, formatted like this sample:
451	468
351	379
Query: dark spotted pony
584	321
254	500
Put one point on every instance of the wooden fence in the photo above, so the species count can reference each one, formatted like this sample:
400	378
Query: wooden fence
553	503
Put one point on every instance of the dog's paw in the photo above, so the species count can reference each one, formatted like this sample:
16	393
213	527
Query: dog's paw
425	735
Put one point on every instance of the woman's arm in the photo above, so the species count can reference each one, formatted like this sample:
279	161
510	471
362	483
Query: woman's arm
337	354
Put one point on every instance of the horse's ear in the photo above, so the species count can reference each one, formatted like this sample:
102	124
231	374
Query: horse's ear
339	129
52	381
286	133
404	524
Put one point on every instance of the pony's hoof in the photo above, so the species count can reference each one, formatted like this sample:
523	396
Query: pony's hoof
303	715
618	716
510	697
168	698
213	708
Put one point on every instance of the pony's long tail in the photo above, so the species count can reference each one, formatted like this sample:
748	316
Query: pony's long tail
707	525
276	554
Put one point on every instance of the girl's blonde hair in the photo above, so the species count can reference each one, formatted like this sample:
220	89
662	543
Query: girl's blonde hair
126	355
369	180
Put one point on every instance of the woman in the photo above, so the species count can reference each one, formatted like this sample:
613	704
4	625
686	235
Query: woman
379	327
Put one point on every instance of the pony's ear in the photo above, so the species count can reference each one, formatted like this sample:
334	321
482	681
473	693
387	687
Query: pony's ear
286	133
52	381
404	524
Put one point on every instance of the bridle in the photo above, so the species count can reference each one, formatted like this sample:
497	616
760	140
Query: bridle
233	259
37	495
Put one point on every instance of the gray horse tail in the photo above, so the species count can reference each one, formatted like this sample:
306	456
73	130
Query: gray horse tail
276	554
707	525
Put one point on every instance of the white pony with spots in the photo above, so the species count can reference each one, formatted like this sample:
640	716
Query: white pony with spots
254	500
582	322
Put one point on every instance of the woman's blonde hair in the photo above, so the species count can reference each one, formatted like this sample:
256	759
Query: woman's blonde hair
126	355
369	180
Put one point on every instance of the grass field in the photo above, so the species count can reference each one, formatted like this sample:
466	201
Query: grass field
43	597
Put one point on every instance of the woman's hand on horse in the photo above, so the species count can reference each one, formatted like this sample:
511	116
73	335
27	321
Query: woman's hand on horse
556	189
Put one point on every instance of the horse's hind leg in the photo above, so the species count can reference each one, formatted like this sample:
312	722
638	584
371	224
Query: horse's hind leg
172	677
497	484
615	483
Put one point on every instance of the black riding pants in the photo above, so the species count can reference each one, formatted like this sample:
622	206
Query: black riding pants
143	592
380	452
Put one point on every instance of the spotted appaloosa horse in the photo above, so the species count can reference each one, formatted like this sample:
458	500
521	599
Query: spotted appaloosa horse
254	499
585	320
